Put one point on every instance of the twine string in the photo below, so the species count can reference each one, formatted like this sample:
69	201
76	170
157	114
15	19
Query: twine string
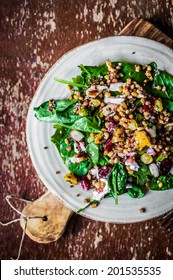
24	218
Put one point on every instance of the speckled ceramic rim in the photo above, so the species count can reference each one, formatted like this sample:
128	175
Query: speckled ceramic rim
156	45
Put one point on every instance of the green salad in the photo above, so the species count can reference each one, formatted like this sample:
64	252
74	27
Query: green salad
115	130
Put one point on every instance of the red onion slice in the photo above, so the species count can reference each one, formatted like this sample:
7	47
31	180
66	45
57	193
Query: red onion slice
150	151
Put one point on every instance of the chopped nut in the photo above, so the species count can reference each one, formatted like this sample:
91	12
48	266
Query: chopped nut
94	205
137	68
142	210
66	141
86	200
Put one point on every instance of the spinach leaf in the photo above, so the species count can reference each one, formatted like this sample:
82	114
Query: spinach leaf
73	84
135	192
114	93
108	195
137	102
161	157
93	71
81	168
64	152
138	118
58	135
89	204
78	80
153	65
93	150
128	71
103	160
142	174
83	124
61	109
67	116
163	79
167	183
168	105
58	139
116	180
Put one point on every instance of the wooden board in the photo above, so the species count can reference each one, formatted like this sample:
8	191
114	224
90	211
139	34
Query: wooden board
42	33
137	27
143	28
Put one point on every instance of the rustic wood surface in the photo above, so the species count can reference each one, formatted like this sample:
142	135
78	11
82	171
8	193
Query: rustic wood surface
34	34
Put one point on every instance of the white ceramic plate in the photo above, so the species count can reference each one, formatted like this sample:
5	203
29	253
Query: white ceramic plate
47	162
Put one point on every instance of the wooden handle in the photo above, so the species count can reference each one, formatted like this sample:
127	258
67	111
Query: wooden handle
52	218
143	28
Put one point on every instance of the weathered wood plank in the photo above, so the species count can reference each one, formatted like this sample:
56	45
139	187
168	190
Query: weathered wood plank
143	28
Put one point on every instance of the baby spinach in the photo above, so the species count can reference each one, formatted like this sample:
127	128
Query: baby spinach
167	183
59	140
93	150
58	135
128	71
114	93
62	110
73	84
163	79
67	116
103	160
93	71
138	118
85	124
81	168
108	195
78	80
116	180
135	192
168	105
142	174
64	152
161	157
89	204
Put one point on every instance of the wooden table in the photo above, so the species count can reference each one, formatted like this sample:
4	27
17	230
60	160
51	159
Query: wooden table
34	34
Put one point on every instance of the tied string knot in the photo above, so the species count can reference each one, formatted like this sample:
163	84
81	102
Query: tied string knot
23	218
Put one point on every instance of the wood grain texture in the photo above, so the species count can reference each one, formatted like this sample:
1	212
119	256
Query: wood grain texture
143	28
47	218
34	34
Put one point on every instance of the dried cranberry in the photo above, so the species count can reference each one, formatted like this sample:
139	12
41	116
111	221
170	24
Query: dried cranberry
82	154
104	171
151	106
109	145
111	126
146	108
152	100
85	183
165	167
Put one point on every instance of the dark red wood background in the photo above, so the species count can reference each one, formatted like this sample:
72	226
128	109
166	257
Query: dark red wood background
33	35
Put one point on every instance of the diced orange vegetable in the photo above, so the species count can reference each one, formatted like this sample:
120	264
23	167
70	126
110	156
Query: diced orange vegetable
142	140
71	178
